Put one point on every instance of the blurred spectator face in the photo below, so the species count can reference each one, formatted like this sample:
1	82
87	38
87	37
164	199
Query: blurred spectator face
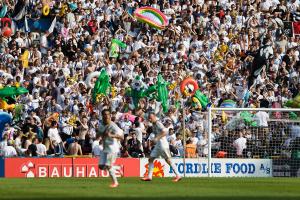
5	137
32	121
106	117
134	136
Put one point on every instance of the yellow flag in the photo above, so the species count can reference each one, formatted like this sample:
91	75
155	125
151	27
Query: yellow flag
24	58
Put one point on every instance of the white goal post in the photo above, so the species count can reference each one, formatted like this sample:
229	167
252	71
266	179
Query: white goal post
275	123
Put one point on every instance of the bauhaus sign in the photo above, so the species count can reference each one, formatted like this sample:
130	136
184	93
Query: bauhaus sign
66	167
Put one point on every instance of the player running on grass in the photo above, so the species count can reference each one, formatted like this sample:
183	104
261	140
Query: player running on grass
111	135
161	148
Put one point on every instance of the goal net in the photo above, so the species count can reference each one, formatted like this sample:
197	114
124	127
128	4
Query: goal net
266	135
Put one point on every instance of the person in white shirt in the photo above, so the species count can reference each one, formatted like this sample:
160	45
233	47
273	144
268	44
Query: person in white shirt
293	5
265	5
168	11
97	146
35	101
3	143
55	139
9	150
18	143
178	143
65	124
161	148
240	145
71	19
171	136
19	39
41	148
44	43
125	125
138	45
116	101
262	119
193	138
128	68
61	98
111	134
202	146
139	133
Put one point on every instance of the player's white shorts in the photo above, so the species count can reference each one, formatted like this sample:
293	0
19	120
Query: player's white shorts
159	151
107	159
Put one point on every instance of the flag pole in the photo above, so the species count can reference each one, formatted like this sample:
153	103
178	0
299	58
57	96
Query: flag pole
184	138
293	35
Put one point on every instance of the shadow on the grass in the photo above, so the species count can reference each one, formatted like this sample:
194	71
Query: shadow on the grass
164	198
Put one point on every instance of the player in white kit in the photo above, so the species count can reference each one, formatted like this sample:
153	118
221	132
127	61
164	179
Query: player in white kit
111	134
161	148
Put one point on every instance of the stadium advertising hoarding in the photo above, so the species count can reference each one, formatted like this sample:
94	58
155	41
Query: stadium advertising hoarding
219	167
66	167
1	167
131	167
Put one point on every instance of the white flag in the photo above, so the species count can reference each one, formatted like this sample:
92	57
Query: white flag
21	14
51	28
26	25
13	27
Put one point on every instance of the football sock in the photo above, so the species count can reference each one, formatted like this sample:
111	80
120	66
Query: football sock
174	169
113	175
151	166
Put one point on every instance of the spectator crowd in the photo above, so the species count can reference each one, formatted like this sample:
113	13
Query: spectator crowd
215	42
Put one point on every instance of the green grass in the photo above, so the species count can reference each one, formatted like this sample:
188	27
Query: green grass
159	188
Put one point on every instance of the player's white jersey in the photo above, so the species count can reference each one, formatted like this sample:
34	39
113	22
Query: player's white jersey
111	145
158	128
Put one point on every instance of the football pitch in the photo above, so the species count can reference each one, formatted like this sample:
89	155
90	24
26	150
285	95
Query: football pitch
159	188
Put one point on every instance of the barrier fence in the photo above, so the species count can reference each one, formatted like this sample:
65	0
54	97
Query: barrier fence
132	167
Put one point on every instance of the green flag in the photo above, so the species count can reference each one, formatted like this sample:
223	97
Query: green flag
203	99
162	93
115	48
102	85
